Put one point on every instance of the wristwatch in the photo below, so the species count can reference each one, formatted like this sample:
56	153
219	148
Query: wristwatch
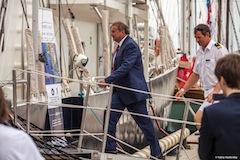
183	90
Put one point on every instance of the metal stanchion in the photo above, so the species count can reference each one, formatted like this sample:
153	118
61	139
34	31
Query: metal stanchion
85	104
14	95
185	116
107	119
28	101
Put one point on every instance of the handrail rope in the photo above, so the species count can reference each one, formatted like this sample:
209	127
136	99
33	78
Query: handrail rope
64	134
114	85
123	112
9	81
115	110
194	101
97	134
71	134
96	83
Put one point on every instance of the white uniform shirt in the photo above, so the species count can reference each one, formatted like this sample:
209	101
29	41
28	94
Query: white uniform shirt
17	145
205	65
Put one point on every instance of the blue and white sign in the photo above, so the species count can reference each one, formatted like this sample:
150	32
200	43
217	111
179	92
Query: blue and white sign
54	111
54	94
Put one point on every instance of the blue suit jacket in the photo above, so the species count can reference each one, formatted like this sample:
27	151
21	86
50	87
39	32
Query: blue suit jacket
128	72
220	130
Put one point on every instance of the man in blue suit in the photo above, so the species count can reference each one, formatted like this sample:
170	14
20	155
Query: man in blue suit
127	71
220	127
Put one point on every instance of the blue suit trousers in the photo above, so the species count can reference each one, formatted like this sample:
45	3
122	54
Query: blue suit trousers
144	123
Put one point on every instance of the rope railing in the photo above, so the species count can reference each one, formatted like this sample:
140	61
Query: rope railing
162	97
86	133
108	85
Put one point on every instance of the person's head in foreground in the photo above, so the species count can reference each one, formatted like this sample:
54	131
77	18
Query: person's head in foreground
228	73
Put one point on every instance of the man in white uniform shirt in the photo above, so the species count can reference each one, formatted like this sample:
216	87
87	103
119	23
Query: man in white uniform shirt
206	59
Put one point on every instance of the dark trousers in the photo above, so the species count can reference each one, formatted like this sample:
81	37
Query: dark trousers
144	123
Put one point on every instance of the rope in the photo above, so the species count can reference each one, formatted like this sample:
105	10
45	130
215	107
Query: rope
117	86
99	108
114	110
234	29
70	11
61	132
25	14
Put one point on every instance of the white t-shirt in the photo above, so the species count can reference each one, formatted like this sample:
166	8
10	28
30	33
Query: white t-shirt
17	145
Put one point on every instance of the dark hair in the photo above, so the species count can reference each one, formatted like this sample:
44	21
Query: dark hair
4	110
121	26
203	28
228	67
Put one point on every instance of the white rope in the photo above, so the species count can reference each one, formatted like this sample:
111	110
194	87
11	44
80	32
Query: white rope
55	131
66	134
125	112
117	86
115	110
58	132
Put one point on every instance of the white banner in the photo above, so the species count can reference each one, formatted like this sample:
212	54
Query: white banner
45	27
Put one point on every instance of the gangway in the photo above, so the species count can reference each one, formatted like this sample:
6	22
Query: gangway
171	141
